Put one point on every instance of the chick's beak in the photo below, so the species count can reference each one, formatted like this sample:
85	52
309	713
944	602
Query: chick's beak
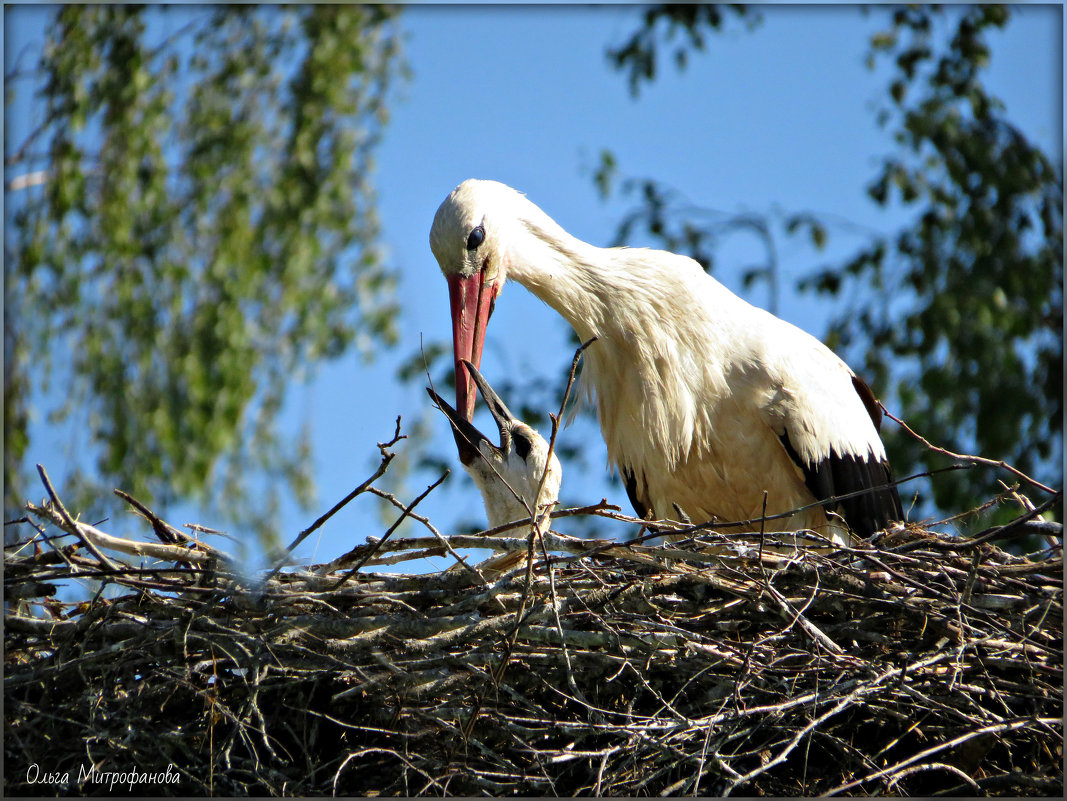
501	414
468	438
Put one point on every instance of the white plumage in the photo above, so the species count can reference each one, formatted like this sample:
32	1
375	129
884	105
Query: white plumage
704	401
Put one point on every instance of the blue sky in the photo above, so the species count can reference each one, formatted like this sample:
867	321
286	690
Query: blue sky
779	118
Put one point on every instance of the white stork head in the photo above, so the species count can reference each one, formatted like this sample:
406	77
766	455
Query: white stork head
468	243
482	232
509	476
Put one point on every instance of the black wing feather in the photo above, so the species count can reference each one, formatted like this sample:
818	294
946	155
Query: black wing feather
638	503
836	475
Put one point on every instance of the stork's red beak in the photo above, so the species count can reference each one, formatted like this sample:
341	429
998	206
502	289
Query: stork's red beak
471	299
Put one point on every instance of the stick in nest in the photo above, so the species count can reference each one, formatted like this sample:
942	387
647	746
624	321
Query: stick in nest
387	457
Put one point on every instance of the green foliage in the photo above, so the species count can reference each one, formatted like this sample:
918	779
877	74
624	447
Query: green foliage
976	357
963	328
204	233
639	55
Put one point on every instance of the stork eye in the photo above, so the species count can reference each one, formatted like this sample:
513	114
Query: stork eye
477	236
522	444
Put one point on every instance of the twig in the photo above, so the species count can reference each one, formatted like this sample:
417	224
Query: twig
762	526
798	617
966	457
1003	531
166	533
388	496
69	523
94	538
996	728
563	405
387	457
538	518
1050	539
934	766
392	528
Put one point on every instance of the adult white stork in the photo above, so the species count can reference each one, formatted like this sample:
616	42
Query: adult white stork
517	478
704	400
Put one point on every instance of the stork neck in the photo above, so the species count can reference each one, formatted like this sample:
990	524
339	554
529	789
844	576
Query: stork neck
568	274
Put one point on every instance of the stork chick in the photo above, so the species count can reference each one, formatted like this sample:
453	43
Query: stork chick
512	477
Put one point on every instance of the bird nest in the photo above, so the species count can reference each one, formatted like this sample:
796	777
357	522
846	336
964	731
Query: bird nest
913	664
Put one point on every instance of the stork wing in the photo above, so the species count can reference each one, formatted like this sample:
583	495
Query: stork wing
833	470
